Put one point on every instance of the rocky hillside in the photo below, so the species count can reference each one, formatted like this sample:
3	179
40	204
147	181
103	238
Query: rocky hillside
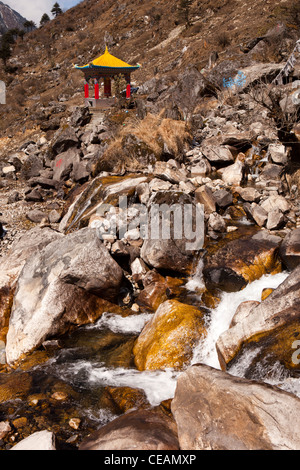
111	332
9	18
143	32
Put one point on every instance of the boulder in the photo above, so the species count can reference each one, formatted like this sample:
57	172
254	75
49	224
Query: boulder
64	139
138	269
81	116
32	167
46	183
216	411
157	289
64	164
259	214
217	154
248	194
290	249
278	154
33	195
239	262
135	430
204	195
276	220
63	285
258	72
127	398
41	440
175	231
273	203
36	216
269	328
79	172
200	168
5	429
216	222
168	172
157	184
168	339
223	198
234	174
243	311
188	91
28	244
100	192
271	172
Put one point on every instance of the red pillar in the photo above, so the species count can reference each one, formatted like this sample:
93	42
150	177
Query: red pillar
128	87
86	89
96	89
107	87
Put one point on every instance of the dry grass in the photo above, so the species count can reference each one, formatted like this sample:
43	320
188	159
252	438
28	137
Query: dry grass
141	142
155	130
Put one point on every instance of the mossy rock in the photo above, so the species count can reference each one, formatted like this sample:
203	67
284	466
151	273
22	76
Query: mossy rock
240	262
168	339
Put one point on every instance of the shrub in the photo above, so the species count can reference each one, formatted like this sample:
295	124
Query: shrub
223	40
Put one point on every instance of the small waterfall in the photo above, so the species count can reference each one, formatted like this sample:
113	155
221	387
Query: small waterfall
196	282
220	318
254	164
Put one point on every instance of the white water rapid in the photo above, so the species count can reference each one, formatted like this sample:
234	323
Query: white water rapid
160	385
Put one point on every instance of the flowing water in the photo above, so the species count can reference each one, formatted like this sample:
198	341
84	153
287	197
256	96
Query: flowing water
81	364
220	318
98	356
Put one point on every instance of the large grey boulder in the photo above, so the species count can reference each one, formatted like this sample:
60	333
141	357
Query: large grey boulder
23	247
216	411
28	244
60	286
171	242
64	139
64	163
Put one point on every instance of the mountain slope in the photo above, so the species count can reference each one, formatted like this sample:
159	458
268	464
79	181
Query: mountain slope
152	33
9	18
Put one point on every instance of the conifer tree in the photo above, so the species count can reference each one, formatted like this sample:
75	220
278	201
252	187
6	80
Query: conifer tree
56	10
29	25
45	18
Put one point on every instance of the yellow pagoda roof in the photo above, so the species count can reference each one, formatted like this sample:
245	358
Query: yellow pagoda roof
108	60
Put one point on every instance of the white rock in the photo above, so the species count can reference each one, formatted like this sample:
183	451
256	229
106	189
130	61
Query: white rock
42	440
274	203
278	153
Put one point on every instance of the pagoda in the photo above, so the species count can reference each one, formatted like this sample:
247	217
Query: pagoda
106	67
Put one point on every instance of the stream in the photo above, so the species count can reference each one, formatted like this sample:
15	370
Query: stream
98	356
